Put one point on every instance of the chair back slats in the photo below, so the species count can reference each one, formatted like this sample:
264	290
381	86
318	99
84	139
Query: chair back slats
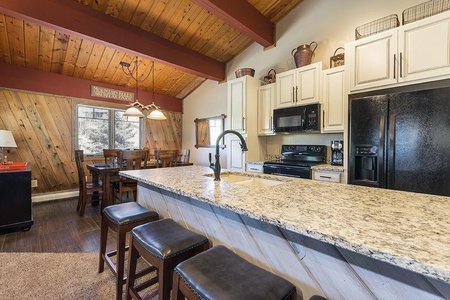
166	158
132	159
184	156
110	155
84	187
79	159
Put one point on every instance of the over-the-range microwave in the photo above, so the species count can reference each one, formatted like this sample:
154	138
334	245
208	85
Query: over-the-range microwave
297	119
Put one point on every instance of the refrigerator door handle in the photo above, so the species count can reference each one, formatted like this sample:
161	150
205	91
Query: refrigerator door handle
391	155
380	171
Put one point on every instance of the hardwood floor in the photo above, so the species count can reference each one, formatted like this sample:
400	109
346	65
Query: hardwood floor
58	228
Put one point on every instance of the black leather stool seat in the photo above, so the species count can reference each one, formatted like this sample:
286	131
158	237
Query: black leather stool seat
165	238
163	244
219	273
128	213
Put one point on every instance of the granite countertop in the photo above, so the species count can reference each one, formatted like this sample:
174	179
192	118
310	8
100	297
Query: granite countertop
255	162
409	230
328	167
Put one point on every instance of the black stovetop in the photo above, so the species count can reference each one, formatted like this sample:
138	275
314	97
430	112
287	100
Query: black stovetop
301	155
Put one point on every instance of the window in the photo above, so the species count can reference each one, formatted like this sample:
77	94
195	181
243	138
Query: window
215	129
101	128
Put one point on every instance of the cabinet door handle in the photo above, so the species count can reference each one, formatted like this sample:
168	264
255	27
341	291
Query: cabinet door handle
296	94
254	169
323	119
401	63
327	177
243	123
293	91
395	62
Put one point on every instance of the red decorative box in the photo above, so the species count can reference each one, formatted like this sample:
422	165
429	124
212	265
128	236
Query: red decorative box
13	166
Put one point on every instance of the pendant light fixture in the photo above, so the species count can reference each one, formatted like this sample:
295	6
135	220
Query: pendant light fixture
156	114
135	108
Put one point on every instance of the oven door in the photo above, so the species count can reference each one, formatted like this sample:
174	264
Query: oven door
291	171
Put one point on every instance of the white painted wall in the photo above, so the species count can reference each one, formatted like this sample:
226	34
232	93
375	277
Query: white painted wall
331	23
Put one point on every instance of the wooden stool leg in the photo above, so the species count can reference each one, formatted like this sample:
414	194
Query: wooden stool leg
132	261
176	292
120	263
103	238
165	280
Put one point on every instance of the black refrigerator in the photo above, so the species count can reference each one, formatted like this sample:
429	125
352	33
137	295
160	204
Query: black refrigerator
401	141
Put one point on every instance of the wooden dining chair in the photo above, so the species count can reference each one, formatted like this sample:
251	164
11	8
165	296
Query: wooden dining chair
130	160
86	189
110	155
166	158
184	156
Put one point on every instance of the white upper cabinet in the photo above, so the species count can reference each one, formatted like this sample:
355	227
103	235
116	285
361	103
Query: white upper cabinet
240	92
424	48
299	86
413	53
266	104
333	97
286	83
308	84
371	60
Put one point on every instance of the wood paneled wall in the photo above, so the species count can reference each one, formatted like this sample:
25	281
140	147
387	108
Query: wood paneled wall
43	127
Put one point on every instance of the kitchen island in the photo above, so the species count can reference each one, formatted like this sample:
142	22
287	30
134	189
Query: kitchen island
339	241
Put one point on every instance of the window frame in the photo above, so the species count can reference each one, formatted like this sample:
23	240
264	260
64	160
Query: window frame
111	127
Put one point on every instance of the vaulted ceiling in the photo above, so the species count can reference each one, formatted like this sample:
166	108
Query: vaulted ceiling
189	40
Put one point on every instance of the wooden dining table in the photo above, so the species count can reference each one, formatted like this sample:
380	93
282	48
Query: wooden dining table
106	171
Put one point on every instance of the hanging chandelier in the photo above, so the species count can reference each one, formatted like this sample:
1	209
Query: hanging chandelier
135	109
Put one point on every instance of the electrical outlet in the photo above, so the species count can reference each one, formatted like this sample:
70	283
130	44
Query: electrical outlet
34	183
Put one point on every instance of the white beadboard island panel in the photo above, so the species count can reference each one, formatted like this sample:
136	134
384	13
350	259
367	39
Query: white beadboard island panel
332	240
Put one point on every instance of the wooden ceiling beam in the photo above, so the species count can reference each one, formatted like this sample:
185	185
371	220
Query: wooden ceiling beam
244	17
71	17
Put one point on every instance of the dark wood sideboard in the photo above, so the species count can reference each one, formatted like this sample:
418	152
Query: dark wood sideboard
15	199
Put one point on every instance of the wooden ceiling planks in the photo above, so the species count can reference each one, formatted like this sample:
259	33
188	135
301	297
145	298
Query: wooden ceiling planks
31	45
16	41
4	44
180	21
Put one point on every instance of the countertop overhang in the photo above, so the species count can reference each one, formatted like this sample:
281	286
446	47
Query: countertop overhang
406	229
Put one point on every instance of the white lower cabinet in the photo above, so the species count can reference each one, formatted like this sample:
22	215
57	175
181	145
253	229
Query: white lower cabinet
253	167
236	158
330	176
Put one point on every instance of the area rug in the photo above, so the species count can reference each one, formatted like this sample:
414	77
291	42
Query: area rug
55	276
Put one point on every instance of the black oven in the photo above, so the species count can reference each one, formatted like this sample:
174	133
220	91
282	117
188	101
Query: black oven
297	119
287	170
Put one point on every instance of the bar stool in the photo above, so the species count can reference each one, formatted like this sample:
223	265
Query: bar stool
121	218
219	273
163	244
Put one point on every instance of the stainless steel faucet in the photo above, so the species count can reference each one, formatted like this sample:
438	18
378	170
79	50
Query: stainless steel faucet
216	166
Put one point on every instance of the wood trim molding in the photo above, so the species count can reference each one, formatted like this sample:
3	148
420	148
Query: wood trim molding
21	78
71	17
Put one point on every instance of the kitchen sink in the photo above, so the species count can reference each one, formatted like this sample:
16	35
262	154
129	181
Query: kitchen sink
247	180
